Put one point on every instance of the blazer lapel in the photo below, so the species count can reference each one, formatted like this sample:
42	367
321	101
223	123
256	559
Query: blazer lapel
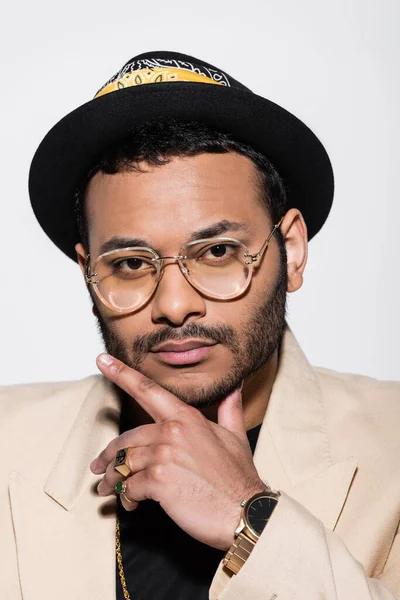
293	452
65	531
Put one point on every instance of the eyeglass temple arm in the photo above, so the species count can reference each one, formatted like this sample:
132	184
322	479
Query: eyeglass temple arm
88	275
258	255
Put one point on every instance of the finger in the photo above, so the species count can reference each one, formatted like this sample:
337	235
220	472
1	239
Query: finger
143	485
128	504
106	487
144	435
137	460
155	400
230	414
139	486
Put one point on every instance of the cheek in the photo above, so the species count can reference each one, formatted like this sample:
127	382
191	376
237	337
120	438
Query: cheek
261	287
130	326
266	275
124	330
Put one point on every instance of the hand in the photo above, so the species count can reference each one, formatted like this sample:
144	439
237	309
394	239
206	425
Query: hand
199	471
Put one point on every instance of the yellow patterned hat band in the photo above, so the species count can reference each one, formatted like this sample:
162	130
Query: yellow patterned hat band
160	70
143	76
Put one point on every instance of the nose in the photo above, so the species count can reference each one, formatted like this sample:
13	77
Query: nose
175	301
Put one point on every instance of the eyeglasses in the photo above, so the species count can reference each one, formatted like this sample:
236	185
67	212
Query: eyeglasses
126	278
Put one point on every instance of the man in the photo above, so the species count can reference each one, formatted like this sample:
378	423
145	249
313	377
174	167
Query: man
209	459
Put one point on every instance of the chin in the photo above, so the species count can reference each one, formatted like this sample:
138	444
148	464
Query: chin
198	389
187	385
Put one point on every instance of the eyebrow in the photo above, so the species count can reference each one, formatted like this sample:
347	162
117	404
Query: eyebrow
117	243
216	229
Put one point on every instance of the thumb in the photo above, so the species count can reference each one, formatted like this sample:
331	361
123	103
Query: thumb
230	414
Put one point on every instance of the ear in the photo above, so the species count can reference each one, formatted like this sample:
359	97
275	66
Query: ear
294	232
81	254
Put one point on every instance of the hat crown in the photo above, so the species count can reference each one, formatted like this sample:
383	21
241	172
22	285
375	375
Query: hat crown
166	67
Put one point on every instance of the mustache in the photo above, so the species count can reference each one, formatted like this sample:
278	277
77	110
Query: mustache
221	334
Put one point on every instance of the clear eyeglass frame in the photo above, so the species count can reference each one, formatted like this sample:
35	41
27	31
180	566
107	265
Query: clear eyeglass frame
249	261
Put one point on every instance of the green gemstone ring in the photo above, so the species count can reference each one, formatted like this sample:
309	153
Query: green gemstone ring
120	487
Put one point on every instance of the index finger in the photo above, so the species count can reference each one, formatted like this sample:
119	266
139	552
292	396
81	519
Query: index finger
154	399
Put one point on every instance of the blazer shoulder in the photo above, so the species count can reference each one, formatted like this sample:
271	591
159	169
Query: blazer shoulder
363	413
365	390
36	421
17	401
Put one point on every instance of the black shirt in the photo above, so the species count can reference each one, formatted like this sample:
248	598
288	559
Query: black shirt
160	560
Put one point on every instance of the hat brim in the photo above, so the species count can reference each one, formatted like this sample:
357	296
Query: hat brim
76	142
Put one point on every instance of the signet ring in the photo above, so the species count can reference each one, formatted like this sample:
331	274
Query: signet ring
120	463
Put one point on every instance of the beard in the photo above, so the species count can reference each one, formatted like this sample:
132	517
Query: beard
252	345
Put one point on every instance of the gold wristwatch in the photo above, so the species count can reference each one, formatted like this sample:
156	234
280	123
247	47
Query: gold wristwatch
256	512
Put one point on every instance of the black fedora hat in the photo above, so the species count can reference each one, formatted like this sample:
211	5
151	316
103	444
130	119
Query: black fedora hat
187	89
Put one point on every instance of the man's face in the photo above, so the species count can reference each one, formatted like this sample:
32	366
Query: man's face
164	205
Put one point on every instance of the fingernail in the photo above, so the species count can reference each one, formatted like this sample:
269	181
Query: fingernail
105	359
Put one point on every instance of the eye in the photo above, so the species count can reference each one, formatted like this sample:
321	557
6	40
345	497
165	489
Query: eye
130	264
219	250
132	267
218	254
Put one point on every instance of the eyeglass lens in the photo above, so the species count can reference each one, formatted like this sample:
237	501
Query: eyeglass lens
127	279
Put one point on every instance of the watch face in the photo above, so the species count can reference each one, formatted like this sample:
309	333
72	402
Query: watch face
259	511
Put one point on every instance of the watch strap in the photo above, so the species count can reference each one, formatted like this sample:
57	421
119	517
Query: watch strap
238	553
243	545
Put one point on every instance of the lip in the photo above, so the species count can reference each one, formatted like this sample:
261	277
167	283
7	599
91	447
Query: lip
182	346
186	353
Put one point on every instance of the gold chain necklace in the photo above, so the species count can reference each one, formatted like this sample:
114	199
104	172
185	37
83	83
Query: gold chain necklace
119	561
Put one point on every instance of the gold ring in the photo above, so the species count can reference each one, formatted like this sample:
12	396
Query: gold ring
120	463
126	498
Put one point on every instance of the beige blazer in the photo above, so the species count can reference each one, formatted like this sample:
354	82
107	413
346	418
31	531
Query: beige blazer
329	442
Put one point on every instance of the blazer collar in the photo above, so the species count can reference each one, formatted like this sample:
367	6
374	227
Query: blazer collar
96	424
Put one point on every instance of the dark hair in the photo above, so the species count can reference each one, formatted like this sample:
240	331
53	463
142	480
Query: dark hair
157	142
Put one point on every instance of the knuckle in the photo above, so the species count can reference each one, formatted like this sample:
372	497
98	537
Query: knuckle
156	473
174	430
163	453
117	368
145	384
196	415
